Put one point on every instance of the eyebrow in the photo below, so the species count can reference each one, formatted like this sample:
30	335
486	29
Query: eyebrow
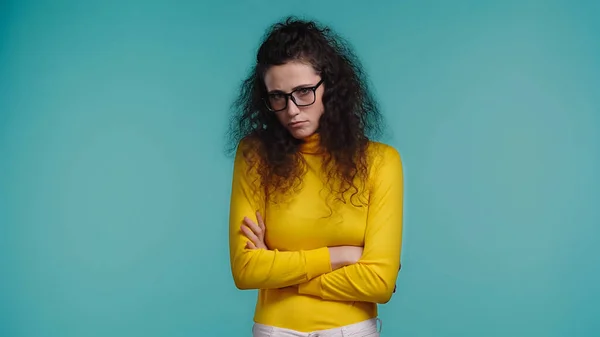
277	91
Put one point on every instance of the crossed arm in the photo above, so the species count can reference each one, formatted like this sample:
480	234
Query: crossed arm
331	273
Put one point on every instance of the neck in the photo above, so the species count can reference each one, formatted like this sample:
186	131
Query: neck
311	144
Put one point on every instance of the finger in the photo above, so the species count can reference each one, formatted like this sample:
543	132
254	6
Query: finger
250	245
254	227
261	222
249	234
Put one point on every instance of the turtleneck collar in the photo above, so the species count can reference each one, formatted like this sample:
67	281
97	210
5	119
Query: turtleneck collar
311	144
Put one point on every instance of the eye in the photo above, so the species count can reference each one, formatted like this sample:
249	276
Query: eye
275	97
304	91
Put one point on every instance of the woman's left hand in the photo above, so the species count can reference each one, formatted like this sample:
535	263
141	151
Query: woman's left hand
255	232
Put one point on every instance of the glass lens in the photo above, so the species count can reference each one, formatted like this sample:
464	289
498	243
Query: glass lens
304	96
277	101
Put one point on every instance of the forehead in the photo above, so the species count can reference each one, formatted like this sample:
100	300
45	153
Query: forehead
287	76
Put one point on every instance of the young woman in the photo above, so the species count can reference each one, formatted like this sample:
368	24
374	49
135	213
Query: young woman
316	205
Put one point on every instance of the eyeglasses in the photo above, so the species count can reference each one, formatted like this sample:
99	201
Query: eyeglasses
305	96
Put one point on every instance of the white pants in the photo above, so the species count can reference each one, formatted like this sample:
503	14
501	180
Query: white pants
366	328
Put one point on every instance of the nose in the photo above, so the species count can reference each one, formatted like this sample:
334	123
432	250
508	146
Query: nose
292	108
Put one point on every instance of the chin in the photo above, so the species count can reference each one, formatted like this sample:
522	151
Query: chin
301	133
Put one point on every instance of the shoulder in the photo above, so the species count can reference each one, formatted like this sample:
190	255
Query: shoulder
247	152
247	147
385	164
247	143
383	154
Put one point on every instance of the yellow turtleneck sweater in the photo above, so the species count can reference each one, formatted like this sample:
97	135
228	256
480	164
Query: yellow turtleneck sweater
297	288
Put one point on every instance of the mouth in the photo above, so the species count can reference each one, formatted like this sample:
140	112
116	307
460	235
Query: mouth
297	124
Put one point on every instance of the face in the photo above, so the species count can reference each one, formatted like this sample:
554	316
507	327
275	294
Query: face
300	121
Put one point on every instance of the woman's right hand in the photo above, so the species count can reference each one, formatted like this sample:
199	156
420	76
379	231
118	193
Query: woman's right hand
344	255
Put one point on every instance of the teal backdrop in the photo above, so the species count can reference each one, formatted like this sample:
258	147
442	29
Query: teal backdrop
114	185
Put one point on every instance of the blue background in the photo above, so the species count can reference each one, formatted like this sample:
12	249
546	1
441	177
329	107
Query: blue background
114	188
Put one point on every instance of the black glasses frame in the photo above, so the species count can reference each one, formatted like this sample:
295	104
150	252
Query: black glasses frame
291	95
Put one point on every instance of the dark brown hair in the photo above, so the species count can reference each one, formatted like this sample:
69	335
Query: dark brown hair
350	119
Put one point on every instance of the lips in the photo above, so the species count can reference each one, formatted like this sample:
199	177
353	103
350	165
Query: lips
295	124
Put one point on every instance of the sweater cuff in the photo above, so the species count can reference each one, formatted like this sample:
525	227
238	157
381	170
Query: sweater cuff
317	262
312	287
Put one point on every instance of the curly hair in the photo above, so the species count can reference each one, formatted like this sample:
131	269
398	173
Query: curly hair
351	115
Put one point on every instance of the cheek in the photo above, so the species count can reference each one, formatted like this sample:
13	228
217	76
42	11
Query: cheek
317	111
321	105
281	118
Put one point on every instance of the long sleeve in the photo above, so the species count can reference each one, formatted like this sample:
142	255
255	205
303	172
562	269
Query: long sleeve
373	278
260	268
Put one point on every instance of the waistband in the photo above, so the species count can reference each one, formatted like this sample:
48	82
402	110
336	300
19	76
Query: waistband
364	328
